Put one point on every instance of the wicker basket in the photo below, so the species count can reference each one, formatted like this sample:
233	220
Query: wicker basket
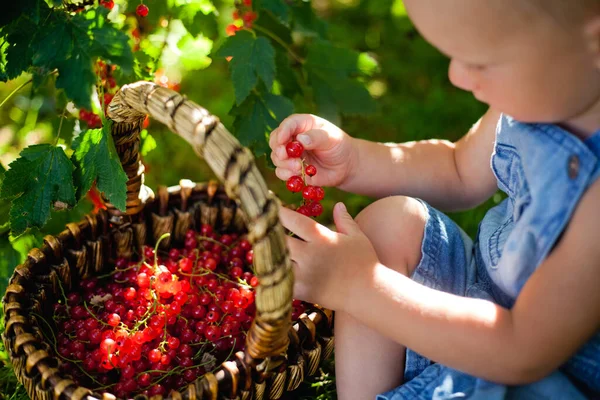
278	354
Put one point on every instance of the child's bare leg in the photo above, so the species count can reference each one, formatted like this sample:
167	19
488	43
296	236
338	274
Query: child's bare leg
366	362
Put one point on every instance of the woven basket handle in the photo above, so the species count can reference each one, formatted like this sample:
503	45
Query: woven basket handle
234	166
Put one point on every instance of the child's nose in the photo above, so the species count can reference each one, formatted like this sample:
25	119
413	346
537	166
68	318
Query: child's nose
461	76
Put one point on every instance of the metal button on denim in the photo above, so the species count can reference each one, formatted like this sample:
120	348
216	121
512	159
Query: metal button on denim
573	167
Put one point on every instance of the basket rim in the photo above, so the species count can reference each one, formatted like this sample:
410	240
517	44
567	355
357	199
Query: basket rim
306	334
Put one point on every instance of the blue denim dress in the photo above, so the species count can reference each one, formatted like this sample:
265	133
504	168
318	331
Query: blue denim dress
544	170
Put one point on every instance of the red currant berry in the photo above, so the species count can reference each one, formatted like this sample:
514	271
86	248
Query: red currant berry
213	332
231	29
142	10
143	280
294	149
154	356
206	229
310	170
295	184
315	209
186	265
130	294
144	379
249	17
319	193
210	264
304	211
174	254
114	320
108	346
157	389
108	4
308	192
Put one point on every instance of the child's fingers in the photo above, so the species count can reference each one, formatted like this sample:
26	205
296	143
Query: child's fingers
293	164
305	227
313	139
297	248
273	138
293	125
283	174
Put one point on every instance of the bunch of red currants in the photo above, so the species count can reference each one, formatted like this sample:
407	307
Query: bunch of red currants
311	195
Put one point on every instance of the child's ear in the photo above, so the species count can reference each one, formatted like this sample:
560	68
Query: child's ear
592	36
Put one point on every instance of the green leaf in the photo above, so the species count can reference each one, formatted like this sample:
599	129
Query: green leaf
252	58
18	52
3	75
20	32
95	159
77	78
286	75
205	24
268	25
71	45
29	8
257	117
37	180
2	172
194	52
52	43
141	69
306	21
276	7
331	72
280	106
192	13
105	40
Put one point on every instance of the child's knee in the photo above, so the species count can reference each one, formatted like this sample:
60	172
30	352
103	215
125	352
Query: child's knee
395	226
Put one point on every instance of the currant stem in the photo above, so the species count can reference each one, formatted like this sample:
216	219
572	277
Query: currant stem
62	118
94	316
62	291
280	42
160	239
200	237
75	362
111	273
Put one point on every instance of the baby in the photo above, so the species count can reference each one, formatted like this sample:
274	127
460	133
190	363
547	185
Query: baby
422	311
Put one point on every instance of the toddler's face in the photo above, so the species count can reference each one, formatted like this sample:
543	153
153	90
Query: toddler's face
526	65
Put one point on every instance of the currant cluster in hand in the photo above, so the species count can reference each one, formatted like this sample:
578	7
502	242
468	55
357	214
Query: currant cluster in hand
156	324
311	195
243	17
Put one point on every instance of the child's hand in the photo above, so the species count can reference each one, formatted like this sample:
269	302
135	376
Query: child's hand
329	149
330	265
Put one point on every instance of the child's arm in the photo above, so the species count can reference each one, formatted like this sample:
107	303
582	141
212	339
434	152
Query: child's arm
449	176
557	311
